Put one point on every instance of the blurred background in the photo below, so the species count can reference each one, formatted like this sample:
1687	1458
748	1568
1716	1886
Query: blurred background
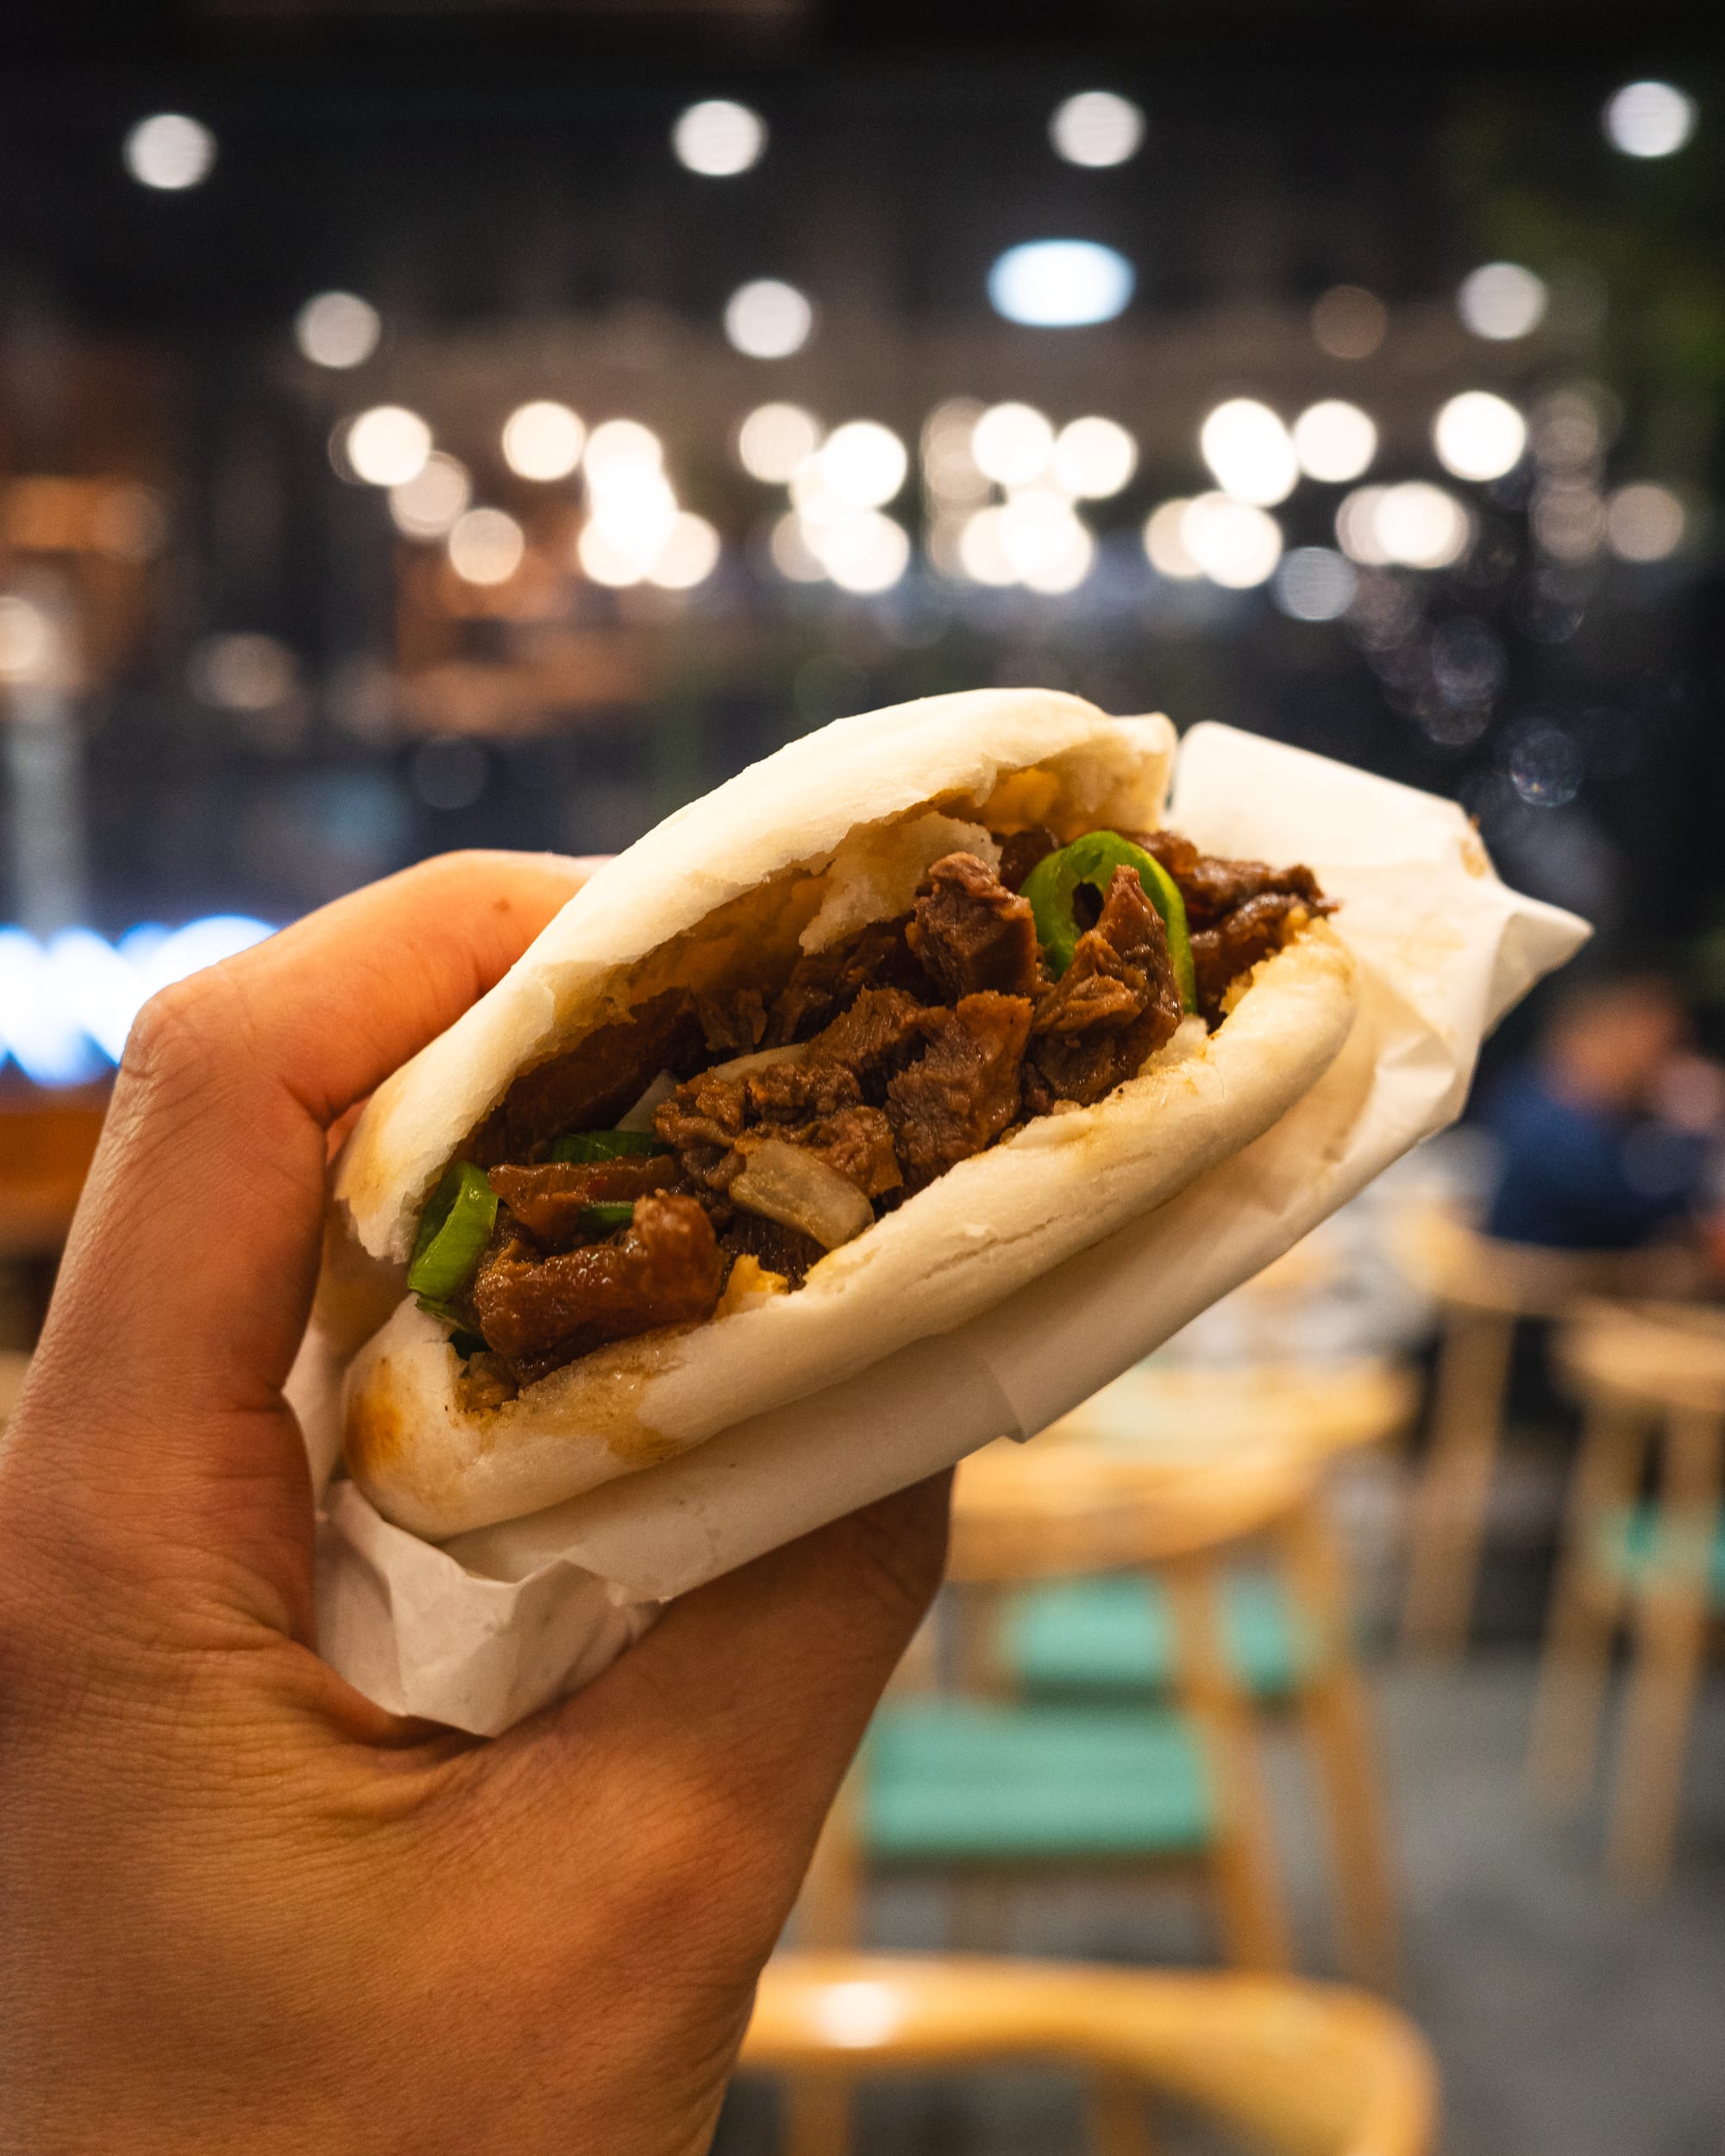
427	424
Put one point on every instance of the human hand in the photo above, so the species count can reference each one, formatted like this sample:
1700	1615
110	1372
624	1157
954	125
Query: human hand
241	1908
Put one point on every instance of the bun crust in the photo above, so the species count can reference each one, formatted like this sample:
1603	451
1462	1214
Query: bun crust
698	902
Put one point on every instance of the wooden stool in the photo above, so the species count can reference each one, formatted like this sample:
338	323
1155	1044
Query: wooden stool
1651	1381
1484	1286
1301	2069
1064	1507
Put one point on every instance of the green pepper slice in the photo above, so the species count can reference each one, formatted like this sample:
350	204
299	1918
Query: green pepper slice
586	1146
604	1217
1052	885
456	1228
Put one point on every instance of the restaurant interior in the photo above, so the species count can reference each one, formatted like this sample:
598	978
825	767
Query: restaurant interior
475	423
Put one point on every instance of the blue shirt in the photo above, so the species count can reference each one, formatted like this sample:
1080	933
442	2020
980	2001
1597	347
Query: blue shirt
1579	1178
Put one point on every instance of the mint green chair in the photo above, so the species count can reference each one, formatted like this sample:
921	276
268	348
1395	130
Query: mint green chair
1114	1636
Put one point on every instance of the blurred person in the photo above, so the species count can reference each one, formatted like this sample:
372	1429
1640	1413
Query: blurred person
241	1906
1605	1133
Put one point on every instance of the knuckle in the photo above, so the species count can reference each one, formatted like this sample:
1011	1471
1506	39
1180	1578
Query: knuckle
177	1034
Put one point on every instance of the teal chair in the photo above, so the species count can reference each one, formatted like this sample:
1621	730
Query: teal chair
1651	1381
1107	1723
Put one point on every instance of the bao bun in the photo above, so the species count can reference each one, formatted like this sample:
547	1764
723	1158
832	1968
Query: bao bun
831	833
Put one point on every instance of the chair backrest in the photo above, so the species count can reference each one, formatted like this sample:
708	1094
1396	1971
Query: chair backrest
1038	1512
1303	2069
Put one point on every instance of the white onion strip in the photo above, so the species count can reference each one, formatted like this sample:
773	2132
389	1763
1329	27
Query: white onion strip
799	1189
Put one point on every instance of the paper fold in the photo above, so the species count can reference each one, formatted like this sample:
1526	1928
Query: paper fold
498	1623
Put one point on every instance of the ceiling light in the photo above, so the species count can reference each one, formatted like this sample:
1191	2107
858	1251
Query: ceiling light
1479	437
427	505
774	440
1235	544
170	152
689	555
1011	444
1334	440
1502	301
388	445
1060	284
487	547
1096	128
1649	119
1164	542
863	464
337	330
542	440
718	139
1250	452
1094	458
768	319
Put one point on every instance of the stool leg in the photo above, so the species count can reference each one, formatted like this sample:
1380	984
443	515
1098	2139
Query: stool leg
817	2116
1585	1607
1669	1625
1449	1508
1254	1920
829	1911
1336	1719
1117	2113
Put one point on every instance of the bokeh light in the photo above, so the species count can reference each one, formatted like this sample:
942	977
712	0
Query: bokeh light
981	549
775	438
1649	119
862	550
169	151
27	639
337	330
1545	765
1250	452
1314	583
718	139
1502	301
616	445
1050	550
244	671
949	469
428	505
768	319
792	556
1418	525
543	440
487	546
1478	436
388	445
861	464
1011	444
1164	542
1349	323
1357	527
1097	128
1644	522
1060	284
1334	440
1094	458
689	555
1235	544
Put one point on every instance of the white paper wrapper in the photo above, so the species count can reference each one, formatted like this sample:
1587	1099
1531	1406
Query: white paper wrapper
496	1623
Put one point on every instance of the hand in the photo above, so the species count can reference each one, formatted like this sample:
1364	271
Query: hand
241	1908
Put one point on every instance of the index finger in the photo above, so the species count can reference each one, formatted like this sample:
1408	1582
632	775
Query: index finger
190	1270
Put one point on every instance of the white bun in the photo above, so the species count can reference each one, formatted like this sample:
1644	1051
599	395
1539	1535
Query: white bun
752	870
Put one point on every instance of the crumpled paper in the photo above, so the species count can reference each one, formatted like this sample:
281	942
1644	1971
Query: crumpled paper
495	1624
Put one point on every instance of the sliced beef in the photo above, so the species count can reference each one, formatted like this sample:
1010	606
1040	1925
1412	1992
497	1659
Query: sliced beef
733	1024
792	1092
825	983
883	1029
703	1120
1115	1003
779	1249
964	1090
1249	932
1212	887
595	1083
972	934
1021	852
539	1312
856	1141
549	1200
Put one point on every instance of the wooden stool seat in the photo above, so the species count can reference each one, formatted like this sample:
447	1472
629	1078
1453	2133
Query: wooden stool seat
1296	2069
955	1781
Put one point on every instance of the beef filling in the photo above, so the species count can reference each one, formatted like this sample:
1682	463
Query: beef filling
923	1039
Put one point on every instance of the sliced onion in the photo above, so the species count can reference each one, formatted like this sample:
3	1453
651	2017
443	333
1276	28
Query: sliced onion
761	1059
640	1117
799	1189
